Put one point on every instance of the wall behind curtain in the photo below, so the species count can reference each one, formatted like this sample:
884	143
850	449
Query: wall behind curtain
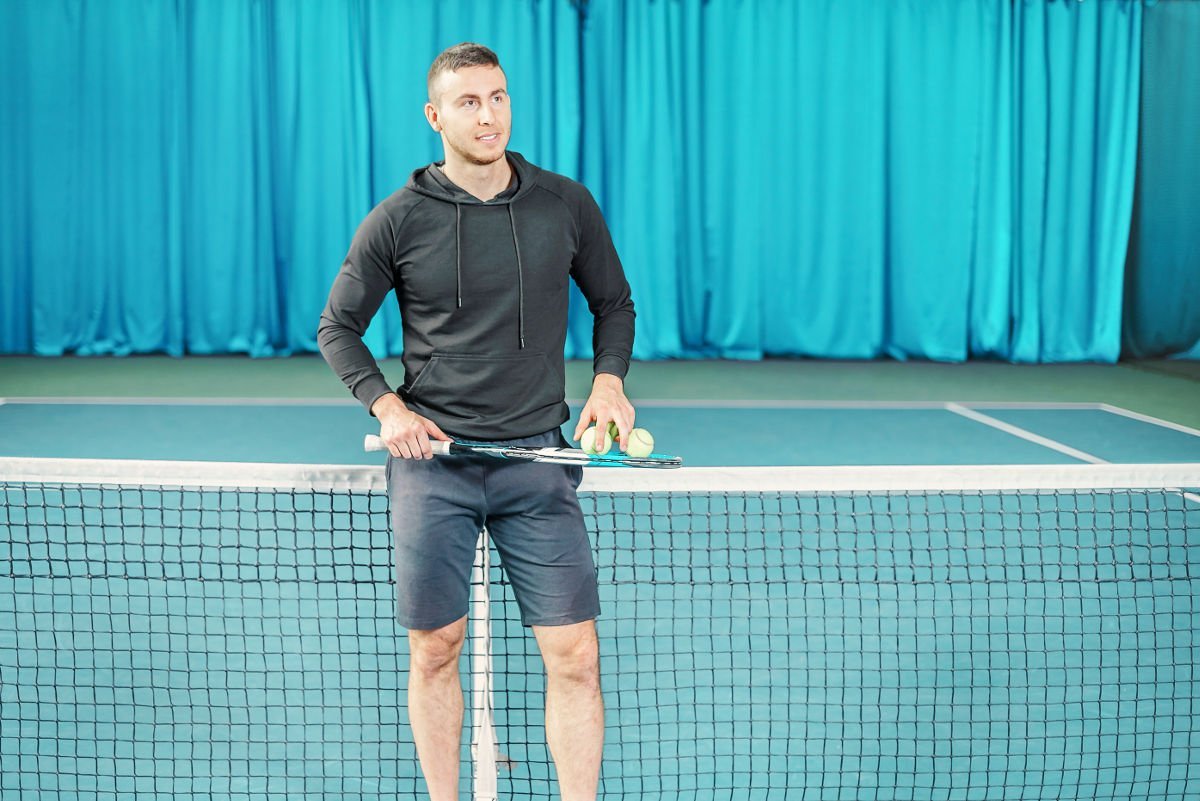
838	178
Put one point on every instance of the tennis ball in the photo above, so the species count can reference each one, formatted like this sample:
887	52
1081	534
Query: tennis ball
640	443
613	430
589	445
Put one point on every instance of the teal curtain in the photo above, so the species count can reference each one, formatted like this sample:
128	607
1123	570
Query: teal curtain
1162	280
938	179
1077	72
186	177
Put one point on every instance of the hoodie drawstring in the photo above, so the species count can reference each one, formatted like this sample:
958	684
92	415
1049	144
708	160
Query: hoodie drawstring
512	224
458	252
520	279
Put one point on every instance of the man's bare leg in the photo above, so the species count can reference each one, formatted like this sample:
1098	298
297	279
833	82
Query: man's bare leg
574	708
435	705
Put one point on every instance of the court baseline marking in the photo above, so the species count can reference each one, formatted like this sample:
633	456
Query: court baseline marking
1145	418
1067	450
1029	436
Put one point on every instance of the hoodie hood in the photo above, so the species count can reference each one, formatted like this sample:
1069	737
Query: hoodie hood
431	182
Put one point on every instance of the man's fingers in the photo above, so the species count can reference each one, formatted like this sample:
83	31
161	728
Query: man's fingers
602	420
585	417
404	446
421	447
410	439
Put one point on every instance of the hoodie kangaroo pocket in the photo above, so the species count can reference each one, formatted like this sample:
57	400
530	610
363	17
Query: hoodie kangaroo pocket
485	387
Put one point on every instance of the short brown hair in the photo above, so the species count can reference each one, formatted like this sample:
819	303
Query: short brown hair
466	54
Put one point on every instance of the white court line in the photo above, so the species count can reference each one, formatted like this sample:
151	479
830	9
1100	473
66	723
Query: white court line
1145	418
184	400
1028	405
1029	436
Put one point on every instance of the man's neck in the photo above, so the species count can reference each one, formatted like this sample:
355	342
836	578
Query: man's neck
483	181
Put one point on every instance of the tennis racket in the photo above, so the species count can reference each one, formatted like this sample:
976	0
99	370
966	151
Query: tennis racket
572	456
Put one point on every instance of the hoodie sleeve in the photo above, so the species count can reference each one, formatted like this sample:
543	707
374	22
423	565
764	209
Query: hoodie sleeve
361	285
598	272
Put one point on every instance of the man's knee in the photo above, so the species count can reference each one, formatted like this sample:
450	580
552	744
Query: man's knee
433	652
571	653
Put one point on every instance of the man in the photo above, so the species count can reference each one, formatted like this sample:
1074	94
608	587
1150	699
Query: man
479	248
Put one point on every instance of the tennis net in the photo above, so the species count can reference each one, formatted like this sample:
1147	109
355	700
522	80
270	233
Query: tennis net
194	631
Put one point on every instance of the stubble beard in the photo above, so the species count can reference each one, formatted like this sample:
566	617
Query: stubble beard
480	161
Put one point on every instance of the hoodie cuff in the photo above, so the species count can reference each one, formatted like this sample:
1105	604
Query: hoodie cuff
371	389
614	365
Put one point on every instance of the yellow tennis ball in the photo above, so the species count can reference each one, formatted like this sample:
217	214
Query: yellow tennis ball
589	445
607	445
640	443
613	430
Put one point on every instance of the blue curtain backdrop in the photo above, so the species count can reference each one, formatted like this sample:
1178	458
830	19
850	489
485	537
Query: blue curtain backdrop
837	178
186	177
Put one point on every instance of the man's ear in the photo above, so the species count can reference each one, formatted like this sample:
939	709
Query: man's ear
432	117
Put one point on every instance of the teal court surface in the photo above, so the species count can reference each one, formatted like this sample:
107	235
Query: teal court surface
704	433
862	599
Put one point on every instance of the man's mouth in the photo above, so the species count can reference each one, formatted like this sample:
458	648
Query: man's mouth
488	137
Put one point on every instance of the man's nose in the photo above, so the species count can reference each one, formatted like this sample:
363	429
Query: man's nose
485	115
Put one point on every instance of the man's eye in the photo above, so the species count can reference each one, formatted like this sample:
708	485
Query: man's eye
468	103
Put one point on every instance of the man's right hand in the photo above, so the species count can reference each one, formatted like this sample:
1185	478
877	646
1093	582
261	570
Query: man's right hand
405	432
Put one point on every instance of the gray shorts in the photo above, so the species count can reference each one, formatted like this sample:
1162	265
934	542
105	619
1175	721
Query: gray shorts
530	510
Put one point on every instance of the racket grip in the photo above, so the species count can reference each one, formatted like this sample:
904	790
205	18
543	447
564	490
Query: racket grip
372	442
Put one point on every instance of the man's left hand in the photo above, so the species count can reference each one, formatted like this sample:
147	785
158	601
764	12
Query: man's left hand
607	403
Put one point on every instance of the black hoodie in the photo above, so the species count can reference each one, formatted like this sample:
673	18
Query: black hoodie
483	291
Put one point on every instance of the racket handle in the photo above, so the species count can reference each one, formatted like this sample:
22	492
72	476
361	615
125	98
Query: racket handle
372	442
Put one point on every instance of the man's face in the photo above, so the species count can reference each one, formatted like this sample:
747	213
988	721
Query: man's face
472	113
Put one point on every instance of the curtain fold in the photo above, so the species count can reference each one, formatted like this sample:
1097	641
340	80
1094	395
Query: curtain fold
942	179
1077	68
1162	279
16	183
